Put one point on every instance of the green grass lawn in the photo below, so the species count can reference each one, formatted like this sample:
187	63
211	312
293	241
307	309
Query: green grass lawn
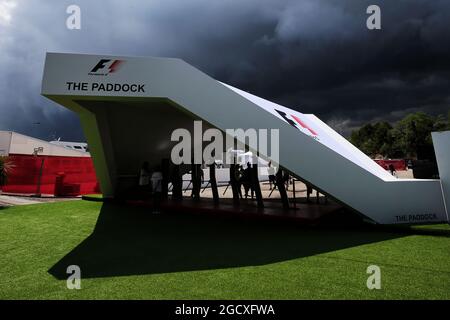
128	253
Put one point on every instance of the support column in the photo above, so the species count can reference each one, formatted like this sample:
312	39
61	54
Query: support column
196	181
165	178
213	181
177	183
256	186
96	129
282	189
309	190
294	198
441	142
234	184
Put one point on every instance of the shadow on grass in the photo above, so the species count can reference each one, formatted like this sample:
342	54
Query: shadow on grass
132	241
441	230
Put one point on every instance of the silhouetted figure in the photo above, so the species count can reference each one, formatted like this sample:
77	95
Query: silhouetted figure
144	179
247	180
309	190
392	169
197	178
271	173
156	180
286	179
238	175
177	183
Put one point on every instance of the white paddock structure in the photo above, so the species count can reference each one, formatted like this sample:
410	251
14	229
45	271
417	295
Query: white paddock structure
129	107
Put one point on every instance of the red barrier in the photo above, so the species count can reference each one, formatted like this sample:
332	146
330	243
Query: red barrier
79	175
399	164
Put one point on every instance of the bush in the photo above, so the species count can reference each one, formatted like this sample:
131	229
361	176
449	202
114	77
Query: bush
6	167
410	137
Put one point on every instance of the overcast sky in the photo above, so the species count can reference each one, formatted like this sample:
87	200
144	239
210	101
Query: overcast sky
315	56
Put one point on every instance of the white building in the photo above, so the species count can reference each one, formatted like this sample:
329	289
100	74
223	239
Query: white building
128	114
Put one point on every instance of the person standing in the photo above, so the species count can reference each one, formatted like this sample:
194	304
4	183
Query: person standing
271	173
286	179
238	177
392	169
309	190
247	180
144	178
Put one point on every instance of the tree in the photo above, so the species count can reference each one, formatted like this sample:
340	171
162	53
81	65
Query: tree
383	139
412	135
374	139
362	138
442	124
6	167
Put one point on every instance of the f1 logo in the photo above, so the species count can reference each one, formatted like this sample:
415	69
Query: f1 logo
297	121
103	63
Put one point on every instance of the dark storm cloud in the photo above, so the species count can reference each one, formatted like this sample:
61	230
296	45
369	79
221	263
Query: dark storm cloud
315	56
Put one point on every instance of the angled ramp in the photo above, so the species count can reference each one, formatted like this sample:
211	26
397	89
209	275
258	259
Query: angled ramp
441	142
120	96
